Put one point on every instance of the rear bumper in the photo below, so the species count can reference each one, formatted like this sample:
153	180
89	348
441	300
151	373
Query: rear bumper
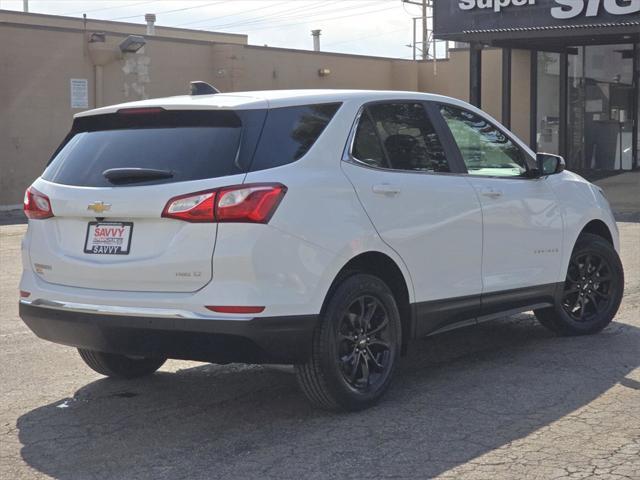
284	340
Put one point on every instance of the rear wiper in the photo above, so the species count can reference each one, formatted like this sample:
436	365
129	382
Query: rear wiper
130	175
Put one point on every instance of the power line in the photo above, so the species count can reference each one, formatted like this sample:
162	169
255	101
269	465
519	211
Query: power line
365	38
308	17
280	16
268	17
230	14
404	7
173	11
111	8
323	19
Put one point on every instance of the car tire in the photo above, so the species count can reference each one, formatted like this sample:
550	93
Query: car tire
592	291
120	366
356	346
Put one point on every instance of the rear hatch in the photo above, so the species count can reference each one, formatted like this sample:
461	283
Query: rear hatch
109	183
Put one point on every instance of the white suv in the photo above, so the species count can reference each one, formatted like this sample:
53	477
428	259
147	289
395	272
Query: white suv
324	229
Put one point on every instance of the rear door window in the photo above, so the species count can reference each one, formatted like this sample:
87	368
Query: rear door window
408	137
289	133
366	144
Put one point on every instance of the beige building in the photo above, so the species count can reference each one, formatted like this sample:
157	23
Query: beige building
52	67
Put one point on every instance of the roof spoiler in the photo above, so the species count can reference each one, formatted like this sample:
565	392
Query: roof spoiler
203	88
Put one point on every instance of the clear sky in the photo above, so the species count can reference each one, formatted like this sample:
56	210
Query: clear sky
369	27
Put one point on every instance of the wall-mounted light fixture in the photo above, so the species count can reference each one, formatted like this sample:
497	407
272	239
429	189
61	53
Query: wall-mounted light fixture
324	72
97	37
132	44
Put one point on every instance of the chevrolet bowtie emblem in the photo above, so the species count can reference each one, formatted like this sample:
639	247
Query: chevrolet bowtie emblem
99	207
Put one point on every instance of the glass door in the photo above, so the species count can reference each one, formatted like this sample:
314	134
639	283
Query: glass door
601	108
548	102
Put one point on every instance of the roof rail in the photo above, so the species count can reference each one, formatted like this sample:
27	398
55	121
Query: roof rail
203	88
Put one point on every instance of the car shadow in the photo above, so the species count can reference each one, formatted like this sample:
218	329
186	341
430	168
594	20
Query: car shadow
458	395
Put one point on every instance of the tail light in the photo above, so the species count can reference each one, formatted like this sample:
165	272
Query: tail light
194	207
37	205
252	203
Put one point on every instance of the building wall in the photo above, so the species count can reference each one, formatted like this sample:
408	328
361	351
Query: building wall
492	82
262	68
35	111
447	77
521	93
40	54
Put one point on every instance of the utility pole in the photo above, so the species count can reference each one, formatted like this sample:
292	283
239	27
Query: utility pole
413	44
425	5
425	48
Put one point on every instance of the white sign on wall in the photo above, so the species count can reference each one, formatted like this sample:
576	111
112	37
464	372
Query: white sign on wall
79	93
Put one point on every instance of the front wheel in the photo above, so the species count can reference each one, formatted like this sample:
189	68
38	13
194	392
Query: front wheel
355	347
120	366
592	291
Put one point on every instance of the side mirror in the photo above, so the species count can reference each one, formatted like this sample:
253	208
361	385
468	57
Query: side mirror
549	164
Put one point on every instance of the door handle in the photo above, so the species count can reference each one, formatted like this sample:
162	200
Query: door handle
386	189
491	193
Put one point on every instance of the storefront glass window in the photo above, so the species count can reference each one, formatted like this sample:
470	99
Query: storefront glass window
601	108
548	102
637	165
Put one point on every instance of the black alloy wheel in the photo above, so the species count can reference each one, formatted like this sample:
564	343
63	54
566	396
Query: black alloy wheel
588	290
592	291
355	348
364	343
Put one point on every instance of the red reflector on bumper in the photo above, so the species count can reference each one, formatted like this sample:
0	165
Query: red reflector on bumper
24	294
231	309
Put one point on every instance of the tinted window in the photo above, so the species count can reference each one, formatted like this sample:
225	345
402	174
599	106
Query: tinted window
484	148
290	132
191	153
408	137
191	145
366	144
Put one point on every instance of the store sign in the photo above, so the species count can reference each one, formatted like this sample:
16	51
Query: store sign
565	8
458	16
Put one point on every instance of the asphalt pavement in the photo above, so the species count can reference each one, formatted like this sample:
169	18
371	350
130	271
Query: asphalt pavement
502	400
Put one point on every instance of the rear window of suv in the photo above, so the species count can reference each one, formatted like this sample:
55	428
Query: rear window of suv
191	145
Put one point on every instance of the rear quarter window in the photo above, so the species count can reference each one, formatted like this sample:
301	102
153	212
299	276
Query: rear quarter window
289	133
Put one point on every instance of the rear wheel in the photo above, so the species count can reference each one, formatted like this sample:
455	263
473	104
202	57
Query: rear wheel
592	290
120	366
355	347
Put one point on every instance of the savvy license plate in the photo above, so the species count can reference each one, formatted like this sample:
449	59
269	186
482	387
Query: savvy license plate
108	238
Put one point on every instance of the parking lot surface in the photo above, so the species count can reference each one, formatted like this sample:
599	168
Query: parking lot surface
505	399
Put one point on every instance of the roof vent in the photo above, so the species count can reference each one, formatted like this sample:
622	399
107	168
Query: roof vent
203	88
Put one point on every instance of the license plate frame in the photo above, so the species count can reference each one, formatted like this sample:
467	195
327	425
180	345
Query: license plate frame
110	245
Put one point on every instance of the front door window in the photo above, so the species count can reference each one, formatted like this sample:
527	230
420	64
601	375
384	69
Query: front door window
485	149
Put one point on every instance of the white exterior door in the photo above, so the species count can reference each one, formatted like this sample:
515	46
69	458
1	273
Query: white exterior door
522	221
522	233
